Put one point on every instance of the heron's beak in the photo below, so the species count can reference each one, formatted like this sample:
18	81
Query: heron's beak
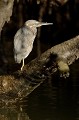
42	23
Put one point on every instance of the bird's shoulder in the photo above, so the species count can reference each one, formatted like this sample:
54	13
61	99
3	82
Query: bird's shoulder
21	37
23	30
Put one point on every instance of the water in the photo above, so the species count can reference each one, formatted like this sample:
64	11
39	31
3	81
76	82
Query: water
56	99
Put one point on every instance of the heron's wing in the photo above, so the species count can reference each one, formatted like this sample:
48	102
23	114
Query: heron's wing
20	39
23	43
17	41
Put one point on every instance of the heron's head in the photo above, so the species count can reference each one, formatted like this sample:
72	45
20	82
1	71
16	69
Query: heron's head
34	23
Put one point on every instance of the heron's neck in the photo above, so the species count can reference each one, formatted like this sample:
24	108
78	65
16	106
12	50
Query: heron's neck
33	30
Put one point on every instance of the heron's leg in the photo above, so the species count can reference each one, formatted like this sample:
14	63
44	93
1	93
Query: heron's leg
22	64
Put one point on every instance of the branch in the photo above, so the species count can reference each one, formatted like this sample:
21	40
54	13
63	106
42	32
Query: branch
19	84
5	11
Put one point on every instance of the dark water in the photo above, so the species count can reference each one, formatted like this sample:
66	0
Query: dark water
55	99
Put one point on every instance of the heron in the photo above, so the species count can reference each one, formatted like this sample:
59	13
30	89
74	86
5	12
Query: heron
24	39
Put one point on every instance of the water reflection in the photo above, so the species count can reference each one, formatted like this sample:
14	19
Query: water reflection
55	99
13	113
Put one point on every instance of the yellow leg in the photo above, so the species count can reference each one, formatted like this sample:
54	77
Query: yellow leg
22	64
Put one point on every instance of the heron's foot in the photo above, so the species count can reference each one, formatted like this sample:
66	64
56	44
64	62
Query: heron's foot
22	67
22	64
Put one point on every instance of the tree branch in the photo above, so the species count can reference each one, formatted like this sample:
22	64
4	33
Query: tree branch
19	84
5	12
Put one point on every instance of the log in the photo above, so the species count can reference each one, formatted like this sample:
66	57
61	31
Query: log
5	11
19	84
